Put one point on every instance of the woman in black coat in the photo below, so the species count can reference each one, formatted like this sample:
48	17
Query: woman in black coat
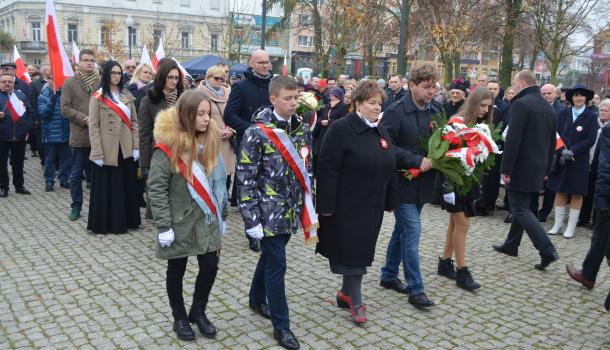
577	127
356	183
337	109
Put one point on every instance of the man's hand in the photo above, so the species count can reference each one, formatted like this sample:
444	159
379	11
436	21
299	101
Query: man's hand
324	122
426	164
505	178
86	120
1	115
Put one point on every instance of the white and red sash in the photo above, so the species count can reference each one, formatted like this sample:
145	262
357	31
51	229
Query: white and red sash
199	182
118	107
281	141
15	106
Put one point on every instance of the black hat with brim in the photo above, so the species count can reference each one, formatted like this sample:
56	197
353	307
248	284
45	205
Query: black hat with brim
581	88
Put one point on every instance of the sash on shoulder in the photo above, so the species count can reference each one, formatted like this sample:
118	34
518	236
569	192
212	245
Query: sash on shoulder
281	141
119	108
199	182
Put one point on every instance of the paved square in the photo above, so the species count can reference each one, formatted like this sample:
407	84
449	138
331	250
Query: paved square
64	288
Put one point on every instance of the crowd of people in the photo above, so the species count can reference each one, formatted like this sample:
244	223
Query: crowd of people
186	148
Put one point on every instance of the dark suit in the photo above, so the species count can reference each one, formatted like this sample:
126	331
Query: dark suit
527	157
490	185
36	135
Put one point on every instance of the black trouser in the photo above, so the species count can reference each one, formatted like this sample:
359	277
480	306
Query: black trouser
587	203
524	219
208	267
597	251
548	202
17	151
490	186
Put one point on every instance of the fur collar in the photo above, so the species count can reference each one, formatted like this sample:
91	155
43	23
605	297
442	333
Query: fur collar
166	128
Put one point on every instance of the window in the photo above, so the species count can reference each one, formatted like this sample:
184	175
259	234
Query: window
214	5
305	41
214	42
36	31
157	34
72	32
379	47
185	3
607	48
37	61
185	40
105	36
305	20
156	1
132	36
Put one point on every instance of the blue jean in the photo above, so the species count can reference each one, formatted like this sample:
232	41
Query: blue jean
80	160
52	152
404	247
268	281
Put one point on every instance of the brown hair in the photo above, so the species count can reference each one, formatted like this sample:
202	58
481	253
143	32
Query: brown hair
281	82
470	109
527	76
85	52
365	90
188	137
423	73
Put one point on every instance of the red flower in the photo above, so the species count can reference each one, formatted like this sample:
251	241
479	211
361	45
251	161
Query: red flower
414	172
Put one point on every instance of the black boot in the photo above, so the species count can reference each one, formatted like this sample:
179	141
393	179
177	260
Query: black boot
183	330
197	316
446	268
464	279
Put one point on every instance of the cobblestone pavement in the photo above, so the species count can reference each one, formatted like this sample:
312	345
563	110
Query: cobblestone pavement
61	287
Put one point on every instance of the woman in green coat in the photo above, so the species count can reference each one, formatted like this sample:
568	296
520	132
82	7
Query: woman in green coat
187	189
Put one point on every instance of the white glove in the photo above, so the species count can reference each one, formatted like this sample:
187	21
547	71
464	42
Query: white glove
223	228
256	232
136	155
167	238
449	198
99	162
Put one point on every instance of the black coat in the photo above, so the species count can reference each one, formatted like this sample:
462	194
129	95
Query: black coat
601	198
573	177
451	108
356	183
408	127
530	141
392	97
35	90
328	113
246	97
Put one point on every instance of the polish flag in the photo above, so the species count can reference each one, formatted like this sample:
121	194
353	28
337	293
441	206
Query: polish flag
75	53
285	68
158	55
58	58
184	72
22	73
559	142
15	106
145	56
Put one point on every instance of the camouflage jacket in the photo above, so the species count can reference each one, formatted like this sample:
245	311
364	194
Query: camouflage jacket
267	188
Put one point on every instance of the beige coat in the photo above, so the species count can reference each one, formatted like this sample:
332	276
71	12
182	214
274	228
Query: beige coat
75	107
107	131
218	109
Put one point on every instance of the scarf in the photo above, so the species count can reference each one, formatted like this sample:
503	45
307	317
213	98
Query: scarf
261	76
367	122
218	92
171	97
89	80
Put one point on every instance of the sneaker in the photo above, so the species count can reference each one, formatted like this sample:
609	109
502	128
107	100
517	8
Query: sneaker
359	314
48	187
74	214
446	268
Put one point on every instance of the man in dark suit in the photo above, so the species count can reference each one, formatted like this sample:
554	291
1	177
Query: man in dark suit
395	91
35	90
526	161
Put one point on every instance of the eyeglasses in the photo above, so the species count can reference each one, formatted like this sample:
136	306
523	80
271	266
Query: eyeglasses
219	79
130	67
116	73
264	63
173	77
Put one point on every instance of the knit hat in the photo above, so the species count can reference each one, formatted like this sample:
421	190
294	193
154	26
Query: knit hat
337	92
458	84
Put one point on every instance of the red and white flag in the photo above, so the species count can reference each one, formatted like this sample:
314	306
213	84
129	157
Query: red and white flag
159	54
285	68
75	53
145	56
559	142
58	58
22	72
15	106
184	72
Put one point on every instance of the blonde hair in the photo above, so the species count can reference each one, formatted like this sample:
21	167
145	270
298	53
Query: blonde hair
188	137
470	109
214	71
139	69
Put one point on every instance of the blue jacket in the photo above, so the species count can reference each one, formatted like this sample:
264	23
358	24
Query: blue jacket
601	198
55	128
246	97
15	131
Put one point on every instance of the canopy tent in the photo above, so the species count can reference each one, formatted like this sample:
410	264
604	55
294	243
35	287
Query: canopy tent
238	68
201	64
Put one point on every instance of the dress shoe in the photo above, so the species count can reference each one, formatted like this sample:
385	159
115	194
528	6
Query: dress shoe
500	248
420	300
546	260
22	190
3	192
578	277
261	309
343	301
359	314
64	184
206	327
394	284
183	330
48	187
542	217
508	219
286	339
254	244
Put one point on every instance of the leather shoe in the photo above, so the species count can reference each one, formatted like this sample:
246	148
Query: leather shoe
3	192
542	217
578	277
500	248
261	309
394	284
183	330
286	339
254	244
22	190
546	260
206	327
420	300
508	219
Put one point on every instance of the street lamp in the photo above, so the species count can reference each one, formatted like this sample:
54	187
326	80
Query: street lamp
129	23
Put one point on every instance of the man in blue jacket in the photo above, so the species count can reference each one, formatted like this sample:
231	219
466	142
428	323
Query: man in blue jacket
15	123
247	97
55	136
